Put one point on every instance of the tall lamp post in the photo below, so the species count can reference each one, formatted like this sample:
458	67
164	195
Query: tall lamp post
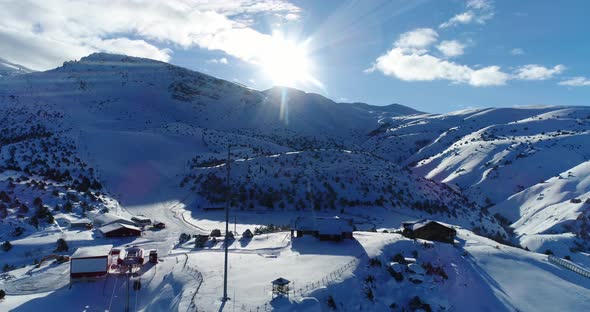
227	204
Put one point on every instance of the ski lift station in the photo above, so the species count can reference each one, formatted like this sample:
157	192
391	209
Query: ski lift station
90	262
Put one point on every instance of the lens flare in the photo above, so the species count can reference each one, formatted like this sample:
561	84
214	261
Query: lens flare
287	63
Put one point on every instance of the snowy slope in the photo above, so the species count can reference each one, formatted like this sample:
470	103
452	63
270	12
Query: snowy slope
547	215
8	69
476	275
515	154
138	122
332	180
479	275
144	125
137	136
491	154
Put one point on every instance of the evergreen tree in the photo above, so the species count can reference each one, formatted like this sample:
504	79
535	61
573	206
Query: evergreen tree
62	245
34	221
6	246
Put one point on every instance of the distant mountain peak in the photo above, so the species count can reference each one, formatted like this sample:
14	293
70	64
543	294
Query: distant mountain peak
397	109
110	57
8	68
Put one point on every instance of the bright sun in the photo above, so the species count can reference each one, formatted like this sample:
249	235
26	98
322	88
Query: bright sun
287	63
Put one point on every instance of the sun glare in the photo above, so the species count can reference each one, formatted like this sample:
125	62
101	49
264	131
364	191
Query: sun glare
287	63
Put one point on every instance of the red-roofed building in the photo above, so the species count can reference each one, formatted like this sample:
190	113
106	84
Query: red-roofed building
119	230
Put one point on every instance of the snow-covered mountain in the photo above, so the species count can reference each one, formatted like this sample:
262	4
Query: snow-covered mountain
138	136
489	155
8	69
126	114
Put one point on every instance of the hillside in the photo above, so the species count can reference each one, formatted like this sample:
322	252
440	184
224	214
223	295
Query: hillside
489	155
137	123
133	136
8	69
554	214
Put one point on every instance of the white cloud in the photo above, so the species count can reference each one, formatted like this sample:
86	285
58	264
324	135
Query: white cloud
420	66
425	67
410	58
417	39
477	11
517	51
488	76
222	60
538	72
462	18
292	17
241	7
576	82
451	48
131	47
479	4
43	34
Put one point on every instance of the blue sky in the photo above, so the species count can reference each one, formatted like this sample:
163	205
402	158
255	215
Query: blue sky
433	55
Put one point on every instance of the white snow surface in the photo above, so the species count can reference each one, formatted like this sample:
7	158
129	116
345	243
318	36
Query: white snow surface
92	251
155	136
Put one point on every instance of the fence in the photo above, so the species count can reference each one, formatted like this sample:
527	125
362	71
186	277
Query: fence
309	287
198	281
324	281
569	265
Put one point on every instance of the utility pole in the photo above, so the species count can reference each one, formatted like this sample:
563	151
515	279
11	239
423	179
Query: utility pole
227	204
128	280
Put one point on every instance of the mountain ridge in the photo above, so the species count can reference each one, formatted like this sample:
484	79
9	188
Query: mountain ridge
8	69
122	110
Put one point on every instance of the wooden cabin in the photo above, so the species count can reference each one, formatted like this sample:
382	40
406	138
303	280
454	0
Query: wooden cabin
429	230
323	228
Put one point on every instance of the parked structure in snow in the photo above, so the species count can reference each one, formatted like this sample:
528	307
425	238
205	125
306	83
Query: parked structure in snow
109	218
141	220
134	256
81	224
429	230
90	262
119	230
324	228
158	225
280	287
75	224
153	256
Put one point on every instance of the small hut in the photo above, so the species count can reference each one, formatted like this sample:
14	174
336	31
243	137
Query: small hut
280	287
429	230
